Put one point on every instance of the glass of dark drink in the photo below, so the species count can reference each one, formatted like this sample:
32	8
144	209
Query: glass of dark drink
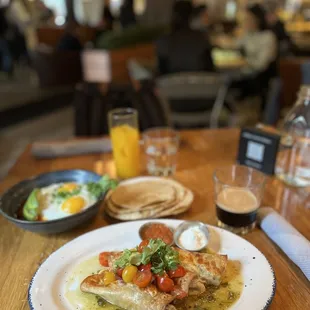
238	194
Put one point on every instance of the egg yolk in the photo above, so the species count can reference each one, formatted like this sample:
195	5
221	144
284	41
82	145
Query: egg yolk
73	205
68	187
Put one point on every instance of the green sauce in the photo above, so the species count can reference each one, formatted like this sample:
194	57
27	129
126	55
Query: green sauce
215	298
218	298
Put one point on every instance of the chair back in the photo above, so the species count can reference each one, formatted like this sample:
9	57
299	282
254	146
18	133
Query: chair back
203	94
57	68
190	85
291	78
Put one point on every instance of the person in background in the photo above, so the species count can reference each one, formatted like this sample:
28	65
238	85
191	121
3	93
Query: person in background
200	18
19	20
70	40
108	19
184	49
285	44
259	47
127	14
6	61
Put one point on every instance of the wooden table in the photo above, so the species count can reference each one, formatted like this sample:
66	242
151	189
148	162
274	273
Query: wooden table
21	252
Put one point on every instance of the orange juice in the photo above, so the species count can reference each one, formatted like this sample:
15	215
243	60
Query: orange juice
126	150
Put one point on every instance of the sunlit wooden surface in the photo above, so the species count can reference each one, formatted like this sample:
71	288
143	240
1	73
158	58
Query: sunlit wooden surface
201	152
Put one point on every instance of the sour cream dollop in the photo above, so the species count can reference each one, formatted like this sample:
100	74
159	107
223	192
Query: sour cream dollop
193	239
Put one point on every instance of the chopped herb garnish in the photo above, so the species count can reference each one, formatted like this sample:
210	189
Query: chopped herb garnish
63	194
162	257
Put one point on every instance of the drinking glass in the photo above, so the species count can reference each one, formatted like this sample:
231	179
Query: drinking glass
238	194
124	133
161	147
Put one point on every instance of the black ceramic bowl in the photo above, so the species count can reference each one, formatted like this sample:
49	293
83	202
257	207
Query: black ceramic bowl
13	199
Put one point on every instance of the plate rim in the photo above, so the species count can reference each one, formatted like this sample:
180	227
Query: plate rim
274	281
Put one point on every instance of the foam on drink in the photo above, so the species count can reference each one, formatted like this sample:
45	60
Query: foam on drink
237	200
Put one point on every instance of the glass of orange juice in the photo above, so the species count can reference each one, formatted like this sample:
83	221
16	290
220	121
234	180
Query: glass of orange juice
124	133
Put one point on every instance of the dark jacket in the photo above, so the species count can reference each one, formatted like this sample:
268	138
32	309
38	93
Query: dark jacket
127	16
285	44
184	50
69	42
4	26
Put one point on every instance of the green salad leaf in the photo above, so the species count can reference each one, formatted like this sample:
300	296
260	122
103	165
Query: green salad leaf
94	189
102	186
162	257
31	207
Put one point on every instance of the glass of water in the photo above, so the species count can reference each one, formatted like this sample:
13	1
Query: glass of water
161	147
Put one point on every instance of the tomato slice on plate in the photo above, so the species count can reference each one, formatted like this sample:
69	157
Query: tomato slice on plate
177	273
143	278
145	267
164	284
129	273
104	259
119	272
142	245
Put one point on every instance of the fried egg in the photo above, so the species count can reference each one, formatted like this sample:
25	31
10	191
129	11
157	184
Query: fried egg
61	200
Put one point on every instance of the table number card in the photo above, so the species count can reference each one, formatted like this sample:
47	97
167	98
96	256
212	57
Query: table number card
258	149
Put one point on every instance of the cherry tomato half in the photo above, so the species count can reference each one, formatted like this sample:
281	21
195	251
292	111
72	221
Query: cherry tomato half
178	273
145	267
142	245
119	272
104	259
164	284
129	273
178	293
143	278
109	277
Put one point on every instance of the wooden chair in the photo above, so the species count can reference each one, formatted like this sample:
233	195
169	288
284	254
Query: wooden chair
195	99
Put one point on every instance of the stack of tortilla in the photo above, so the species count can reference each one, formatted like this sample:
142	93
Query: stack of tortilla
148	198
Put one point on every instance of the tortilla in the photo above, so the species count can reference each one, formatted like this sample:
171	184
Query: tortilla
155	212
137	195
179	204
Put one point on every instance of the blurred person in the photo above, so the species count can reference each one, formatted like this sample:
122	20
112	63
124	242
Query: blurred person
127	15
259	47
157	13
201	18
70	40
6	61
107	21
285	44
184	49
19	21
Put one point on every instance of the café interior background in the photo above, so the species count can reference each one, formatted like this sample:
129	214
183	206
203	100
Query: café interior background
33	107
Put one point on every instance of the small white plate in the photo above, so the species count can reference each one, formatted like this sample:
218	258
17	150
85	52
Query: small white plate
47	288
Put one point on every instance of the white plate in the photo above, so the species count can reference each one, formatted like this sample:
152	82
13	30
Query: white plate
46	290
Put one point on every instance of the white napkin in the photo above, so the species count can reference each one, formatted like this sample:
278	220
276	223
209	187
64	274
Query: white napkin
70	148
292	243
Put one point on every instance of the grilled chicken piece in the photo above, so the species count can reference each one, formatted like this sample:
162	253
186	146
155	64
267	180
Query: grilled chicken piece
126	295
190	284
209	268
